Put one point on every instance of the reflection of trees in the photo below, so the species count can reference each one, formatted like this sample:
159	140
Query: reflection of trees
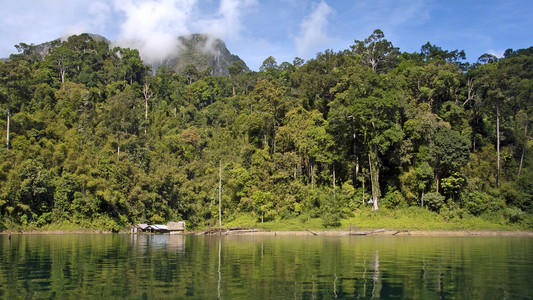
219	273
376	278
261	267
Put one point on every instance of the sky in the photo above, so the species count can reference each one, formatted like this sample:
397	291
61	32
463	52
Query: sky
284	29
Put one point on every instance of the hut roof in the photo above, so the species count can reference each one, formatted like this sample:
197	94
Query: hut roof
142	226
158	227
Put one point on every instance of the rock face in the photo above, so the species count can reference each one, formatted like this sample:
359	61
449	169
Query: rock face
202	51
45	48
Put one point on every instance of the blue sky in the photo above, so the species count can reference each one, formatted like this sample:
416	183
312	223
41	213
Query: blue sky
285	29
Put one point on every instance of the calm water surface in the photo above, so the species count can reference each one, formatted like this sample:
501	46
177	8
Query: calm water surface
248	267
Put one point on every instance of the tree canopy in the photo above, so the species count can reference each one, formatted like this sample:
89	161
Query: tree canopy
92	137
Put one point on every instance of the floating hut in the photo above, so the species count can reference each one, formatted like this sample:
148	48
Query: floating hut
157	228
176	227
137	228
171	227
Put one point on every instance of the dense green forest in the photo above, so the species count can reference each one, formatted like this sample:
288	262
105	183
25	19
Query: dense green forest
94	137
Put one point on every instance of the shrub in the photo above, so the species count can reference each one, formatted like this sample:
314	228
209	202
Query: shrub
478	203
514	214
393	199
434	200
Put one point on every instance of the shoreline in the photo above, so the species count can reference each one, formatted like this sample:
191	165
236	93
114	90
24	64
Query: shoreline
260	232
381	232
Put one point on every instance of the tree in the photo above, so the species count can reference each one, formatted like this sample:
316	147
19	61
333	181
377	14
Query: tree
148	94
236	68
306	134
121	115
449	152
270	104
431	52
505	88
424	174
487	58
366	117
191	73
14	77
315	81
263	202
132	65
269	65
376	51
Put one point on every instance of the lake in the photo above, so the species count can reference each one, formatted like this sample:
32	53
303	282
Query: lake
108	266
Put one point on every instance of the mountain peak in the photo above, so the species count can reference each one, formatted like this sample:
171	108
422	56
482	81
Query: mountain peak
201	50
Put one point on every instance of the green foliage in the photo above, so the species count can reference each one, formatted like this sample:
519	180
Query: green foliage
95	140
478	203
434	200
514	214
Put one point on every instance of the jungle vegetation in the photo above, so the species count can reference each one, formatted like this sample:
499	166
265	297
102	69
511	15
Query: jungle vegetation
93	137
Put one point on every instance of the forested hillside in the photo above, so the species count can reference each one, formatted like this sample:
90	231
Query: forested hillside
92	138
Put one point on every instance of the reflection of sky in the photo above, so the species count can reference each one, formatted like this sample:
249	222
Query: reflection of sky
159	242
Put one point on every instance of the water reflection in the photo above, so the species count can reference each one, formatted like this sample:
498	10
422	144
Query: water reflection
233	267
219	272
376	290
160	242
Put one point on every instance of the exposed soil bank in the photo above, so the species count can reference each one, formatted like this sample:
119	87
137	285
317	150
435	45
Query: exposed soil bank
381	232
400	233
260	232
77	231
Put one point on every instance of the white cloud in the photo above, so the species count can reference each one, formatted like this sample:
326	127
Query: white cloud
153	26
313	30
497	53
227	24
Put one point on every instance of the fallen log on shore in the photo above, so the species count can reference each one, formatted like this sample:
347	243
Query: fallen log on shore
367	232
314	233
400	231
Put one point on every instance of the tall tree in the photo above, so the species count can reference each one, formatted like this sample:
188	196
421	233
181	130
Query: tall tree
449	152
367	114
270	104
376	51
14	77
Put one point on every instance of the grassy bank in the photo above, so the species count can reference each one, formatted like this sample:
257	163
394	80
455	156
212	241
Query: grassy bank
412	218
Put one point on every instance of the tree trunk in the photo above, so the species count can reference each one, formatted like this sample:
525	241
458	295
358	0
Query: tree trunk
147	95
118	146
220	196
145	115
376	188
372	184
371	178
356	168
498	141
363	189
423	192
523	153
521	162
312	175
356	171
8	119
438	181
61	70
334	194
